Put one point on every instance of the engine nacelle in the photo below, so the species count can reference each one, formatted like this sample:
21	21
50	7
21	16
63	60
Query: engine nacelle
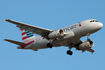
86	45
56	33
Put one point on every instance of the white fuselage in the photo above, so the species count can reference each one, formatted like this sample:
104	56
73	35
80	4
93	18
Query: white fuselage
72	32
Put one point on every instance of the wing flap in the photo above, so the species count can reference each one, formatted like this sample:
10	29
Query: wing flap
15	42
34	29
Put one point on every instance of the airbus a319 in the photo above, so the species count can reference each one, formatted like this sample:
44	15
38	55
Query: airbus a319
67	36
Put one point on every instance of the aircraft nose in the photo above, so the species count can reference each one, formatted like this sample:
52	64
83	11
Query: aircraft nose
100	25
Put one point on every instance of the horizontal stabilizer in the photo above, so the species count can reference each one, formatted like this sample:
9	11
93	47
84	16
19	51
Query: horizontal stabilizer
15	42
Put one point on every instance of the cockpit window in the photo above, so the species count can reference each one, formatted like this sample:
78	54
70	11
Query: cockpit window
93	21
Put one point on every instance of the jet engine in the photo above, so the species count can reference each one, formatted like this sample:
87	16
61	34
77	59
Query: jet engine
86	45
56	33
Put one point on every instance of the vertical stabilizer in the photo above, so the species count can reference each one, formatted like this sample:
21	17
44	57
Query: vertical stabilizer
27	36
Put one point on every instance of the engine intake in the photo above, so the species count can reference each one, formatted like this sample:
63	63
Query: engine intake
86	45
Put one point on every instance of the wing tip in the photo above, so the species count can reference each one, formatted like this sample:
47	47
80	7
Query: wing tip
6	19
5	39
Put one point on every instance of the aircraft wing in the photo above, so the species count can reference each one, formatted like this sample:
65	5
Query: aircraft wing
15	42
33	29
91	50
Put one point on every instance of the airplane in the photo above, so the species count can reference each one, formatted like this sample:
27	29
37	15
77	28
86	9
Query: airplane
68	36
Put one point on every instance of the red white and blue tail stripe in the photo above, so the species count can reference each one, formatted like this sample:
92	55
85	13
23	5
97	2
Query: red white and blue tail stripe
27	36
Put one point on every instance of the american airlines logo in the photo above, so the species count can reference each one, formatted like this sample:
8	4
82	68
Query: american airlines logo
79	24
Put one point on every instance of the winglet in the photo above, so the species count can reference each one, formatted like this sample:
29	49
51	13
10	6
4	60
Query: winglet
4	20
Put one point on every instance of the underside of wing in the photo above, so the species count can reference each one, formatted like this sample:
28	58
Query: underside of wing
75	42
91	50
34	29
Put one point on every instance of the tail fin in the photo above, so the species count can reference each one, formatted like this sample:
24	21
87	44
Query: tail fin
27	36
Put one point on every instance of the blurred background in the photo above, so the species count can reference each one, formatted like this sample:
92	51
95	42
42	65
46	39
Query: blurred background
50	14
